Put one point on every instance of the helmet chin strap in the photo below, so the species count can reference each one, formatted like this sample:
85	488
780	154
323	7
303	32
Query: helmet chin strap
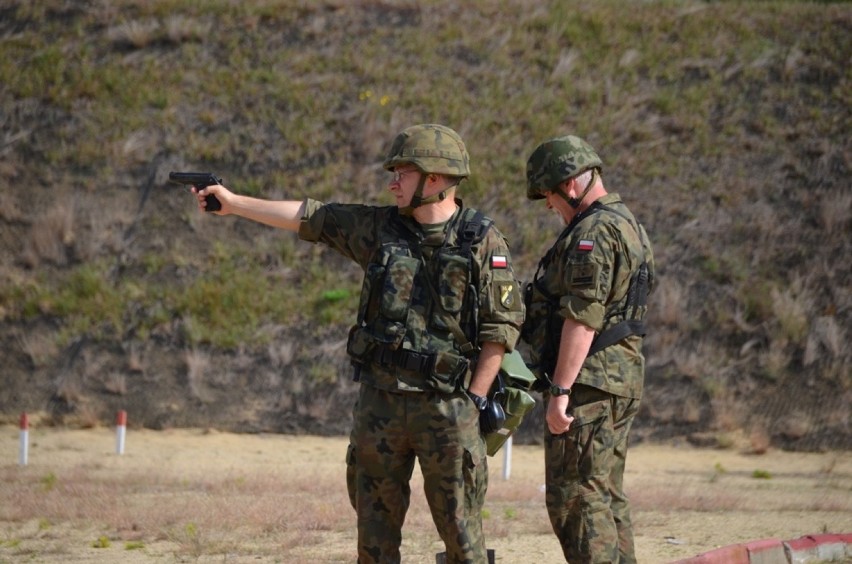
575	202
418	200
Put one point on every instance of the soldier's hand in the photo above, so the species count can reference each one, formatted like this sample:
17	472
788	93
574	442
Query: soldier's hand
220	192
558	421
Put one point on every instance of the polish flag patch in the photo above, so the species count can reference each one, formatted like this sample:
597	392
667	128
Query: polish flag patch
499	261
585	245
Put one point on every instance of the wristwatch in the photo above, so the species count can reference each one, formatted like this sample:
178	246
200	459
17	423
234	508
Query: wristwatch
480	402
559	391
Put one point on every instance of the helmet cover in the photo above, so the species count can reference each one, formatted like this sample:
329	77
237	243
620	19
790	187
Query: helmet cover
432	148
556	161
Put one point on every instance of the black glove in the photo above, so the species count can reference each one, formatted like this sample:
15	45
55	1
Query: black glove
491	414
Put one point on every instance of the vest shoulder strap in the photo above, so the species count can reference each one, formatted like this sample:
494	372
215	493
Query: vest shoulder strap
473	226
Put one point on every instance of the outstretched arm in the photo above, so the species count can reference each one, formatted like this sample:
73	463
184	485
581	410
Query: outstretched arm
284	214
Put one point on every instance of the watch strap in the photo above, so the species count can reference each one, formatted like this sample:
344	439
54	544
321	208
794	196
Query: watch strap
480	402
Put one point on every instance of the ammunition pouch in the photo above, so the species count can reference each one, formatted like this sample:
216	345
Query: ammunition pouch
362	341
442	371
359	345
448	373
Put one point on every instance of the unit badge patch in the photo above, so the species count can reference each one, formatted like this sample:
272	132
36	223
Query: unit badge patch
507	296
584	275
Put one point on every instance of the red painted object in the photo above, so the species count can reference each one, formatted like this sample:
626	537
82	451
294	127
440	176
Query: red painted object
818	547
768	551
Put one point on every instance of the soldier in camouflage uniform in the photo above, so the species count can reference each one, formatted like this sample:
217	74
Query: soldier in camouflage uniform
439	307
585	311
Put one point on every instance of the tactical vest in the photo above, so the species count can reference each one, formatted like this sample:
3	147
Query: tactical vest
418	311
622	318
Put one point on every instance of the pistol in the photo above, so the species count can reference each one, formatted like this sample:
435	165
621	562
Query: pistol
199	180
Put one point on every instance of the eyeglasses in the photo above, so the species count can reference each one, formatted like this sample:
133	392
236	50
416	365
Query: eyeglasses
398	174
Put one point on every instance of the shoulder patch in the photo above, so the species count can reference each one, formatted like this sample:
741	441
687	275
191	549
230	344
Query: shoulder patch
507	295
584	275
586	245
499	261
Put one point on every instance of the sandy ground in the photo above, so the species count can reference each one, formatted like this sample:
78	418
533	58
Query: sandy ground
204	496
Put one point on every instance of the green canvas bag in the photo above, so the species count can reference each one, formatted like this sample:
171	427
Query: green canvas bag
513	382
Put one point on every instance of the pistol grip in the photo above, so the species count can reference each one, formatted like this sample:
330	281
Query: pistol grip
213	203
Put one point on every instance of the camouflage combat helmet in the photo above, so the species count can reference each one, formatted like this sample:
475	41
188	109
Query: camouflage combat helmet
432	148
557	160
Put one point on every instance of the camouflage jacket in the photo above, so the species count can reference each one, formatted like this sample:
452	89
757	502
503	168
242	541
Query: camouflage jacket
585	277
402	339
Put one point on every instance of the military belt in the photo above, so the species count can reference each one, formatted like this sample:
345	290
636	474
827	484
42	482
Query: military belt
405	359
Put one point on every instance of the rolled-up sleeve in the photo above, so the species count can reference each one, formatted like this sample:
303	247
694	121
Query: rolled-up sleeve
310	228
582	310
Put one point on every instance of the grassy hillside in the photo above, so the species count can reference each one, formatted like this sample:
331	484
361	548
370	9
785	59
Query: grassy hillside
724	125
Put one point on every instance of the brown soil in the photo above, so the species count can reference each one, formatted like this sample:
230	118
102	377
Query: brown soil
205	496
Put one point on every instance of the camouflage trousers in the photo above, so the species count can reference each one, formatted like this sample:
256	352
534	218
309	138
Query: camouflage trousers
441	431
584	472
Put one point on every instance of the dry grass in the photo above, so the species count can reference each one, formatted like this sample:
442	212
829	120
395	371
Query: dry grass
38	347
50	236
210	496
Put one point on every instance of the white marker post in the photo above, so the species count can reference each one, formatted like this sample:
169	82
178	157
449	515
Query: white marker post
507	458
120	431
25	440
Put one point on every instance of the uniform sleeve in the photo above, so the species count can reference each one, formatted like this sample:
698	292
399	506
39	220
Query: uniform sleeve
501	309
310	229
587	277
349	229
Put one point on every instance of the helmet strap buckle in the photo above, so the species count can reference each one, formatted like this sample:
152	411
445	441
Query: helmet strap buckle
575	202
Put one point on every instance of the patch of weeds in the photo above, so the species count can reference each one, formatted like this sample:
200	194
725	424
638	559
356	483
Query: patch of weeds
761	475
335	295
322	372
724	441
44	524
101	542
48	481
756	299
192	537
510	513
134	545
718	471
335	305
